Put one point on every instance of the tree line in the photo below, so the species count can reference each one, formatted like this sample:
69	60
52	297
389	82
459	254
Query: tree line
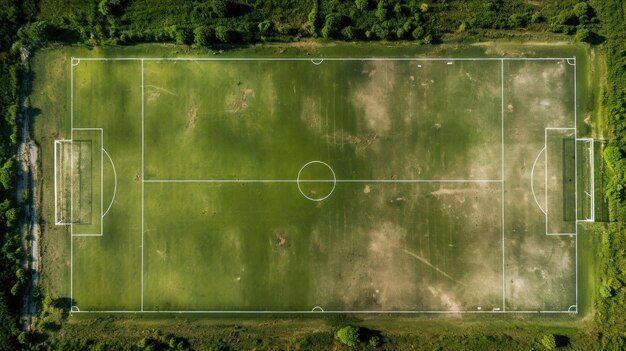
13	15
611	294
211	22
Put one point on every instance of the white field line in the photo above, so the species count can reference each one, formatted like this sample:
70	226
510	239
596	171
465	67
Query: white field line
142	178
592	185
502	177
321	58
323	181
115	183
101	181
71	180
532	181
330	312
576	173
56	206
545	172
292	181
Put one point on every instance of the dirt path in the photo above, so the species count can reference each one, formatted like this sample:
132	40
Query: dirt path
27	179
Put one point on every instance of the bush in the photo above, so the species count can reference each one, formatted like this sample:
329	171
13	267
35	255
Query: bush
361	4
583	35
549	341
348	335
374	341
202	36
222	34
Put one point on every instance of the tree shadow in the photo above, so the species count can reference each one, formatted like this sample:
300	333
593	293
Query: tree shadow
367	334
561	340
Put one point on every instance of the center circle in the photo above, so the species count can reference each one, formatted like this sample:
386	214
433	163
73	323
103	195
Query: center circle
307	175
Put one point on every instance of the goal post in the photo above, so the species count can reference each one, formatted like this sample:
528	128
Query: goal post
586	181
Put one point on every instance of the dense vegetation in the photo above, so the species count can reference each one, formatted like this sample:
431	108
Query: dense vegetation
611	304
216	22
13	13
206	22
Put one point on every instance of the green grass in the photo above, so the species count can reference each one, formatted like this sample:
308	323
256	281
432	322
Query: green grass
263	246
107	269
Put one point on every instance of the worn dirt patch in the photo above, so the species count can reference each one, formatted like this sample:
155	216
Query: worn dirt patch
153	95
239	101
155	92
192	115
361	143
311	114
280	239
373	96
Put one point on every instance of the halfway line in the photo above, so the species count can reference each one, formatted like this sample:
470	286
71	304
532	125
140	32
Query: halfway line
322	181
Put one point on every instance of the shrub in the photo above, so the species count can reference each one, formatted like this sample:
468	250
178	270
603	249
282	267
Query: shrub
348	335
222	33
583	35
201	36
549	341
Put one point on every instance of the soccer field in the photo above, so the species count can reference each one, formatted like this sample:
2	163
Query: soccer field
325	185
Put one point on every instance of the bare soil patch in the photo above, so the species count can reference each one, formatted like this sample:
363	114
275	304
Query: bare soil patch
280	239
239	102
373	96
192	114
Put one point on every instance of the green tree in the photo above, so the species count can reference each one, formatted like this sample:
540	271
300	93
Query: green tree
329	25
381	10
22	338
7	174
581	10
38	30
103	7
222	34
606	292
348	335
516	20
220	7
312	18
347	33
612	156
11	216
583	35
361	4
183	36
418	33
202	36
264	26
